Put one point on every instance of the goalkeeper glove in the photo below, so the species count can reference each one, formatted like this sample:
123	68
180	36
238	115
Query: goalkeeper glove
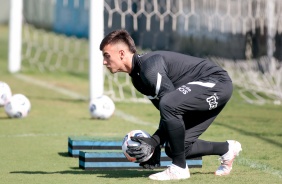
141	152
154	161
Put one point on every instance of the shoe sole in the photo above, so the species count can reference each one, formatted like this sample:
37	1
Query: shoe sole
156	179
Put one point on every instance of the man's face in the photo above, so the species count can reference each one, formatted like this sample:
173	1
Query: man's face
112	57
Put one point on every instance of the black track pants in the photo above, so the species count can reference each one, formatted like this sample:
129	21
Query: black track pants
188	111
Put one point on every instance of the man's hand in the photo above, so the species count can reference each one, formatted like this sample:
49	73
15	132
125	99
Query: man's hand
141	152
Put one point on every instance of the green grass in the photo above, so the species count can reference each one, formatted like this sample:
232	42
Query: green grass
34	149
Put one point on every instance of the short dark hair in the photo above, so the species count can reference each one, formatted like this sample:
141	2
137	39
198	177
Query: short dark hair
119	36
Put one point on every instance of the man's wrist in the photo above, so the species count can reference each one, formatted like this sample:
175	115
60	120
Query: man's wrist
156	140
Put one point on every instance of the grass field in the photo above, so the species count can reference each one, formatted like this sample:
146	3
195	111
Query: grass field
34	149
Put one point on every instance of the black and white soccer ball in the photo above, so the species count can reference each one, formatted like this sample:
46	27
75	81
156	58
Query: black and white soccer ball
5	93
18	107
101	107
128	142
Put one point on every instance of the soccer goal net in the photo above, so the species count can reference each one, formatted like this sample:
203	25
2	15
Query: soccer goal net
243	36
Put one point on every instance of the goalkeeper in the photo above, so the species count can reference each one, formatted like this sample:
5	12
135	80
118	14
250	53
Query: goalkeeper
189	93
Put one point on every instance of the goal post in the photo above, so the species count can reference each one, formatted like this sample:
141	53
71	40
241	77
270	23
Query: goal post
96	34
15	36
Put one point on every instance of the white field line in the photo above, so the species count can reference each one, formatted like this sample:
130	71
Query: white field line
50	86
52	135
133	119
75	95
129	118
259	166
32	135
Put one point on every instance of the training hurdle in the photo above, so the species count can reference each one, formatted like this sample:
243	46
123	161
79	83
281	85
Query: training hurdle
95	154
91	160
75	144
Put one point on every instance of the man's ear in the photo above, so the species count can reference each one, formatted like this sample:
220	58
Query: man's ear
121	54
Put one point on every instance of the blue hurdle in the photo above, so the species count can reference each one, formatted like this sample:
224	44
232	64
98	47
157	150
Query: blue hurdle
96	154
92	160
75	144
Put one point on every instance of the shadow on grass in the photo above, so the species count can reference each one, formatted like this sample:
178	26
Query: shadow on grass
64	154
105	173
100	173
5	118
261	136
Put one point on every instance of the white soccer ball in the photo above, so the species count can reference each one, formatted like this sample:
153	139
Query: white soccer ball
128	142
5	93
18	106
101	107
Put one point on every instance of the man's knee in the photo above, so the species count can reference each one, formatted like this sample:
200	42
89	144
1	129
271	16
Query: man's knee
165	106
169	117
